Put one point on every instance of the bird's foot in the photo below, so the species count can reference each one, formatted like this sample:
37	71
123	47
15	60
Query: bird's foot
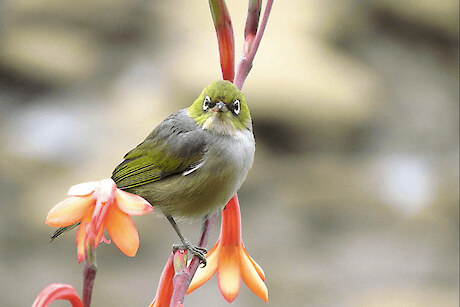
195	250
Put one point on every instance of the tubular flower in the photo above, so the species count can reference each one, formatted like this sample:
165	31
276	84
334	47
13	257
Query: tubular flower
56	292
165	287
100	205
230	260
176	265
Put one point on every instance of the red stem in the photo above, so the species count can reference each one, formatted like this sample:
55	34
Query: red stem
245	64
89	274
252	23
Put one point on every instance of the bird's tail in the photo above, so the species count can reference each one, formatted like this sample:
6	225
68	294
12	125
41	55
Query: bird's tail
61	230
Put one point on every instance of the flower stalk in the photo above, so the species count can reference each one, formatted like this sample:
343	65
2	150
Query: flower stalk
252	23
89	275
253	36
225	37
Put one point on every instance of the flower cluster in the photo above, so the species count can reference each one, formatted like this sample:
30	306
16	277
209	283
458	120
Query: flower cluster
230	260
97	206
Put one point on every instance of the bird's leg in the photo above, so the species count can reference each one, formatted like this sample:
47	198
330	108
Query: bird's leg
203	223
195	250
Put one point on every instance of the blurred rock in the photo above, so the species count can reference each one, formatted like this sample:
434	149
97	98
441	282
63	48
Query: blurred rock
442	16
106	17
49	53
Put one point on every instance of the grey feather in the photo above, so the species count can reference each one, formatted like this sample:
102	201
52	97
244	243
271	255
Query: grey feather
211	168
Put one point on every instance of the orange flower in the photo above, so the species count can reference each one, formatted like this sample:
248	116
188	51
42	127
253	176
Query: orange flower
231	260
99	206
56	292
165	287
176	265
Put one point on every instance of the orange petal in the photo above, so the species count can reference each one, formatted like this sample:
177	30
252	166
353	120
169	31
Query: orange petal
256	266
83	189
122	231
251	277
165	286
228	272
202	275
80	240
81	233
69	211
132	204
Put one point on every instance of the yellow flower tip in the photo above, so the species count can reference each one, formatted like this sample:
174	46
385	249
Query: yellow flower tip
130	252
69	211
251	276
229	272
229	296
258	268
132	204
262	292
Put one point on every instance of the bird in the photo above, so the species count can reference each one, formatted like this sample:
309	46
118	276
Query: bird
194	161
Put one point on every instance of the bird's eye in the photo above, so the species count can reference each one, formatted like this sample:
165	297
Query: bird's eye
236	107
206	103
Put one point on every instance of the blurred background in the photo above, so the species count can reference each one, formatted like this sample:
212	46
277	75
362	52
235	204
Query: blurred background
353	196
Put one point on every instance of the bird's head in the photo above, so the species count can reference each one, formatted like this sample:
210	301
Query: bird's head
221	108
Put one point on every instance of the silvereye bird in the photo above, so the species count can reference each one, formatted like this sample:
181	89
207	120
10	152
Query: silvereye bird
195	160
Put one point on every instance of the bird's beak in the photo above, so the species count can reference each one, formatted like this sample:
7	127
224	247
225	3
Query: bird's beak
221	106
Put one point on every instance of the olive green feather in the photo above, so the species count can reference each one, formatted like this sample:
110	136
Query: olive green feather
168	150
62	230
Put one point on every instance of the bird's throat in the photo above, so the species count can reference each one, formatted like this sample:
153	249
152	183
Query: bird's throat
220	123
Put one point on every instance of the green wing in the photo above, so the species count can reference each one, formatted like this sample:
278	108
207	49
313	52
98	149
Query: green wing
175	146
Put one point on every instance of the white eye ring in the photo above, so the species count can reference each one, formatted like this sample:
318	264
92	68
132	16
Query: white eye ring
236	107
206	102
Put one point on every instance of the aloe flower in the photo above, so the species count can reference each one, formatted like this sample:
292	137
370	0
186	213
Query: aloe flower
100	205
230	260
165	287
56	292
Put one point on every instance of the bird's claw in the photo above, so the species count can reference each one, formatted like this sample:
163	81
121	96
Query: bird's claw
200	252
